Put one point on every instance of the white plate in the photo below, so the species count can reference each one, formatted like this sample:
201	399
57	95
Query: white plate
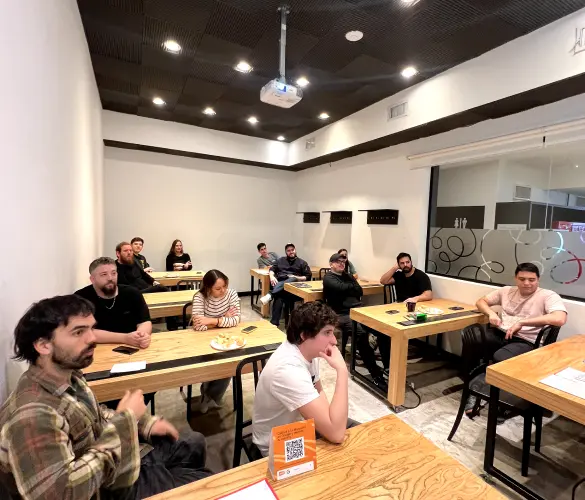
219	347
171	275
433	311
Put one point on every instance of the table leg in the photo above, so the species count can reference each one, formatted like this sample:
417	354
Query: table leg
252	292
265	309
397	375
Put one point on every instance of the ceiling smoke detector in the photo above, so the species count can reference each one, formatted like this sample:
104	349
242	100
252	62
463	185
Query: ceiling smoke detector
354	36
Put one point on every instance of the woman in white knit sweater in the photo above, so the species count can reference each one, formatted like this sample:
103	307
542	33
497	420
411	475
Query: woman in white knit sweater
215	306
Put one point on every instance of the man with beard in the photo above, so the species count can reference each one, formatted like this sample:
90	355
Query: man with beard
285	270
130	271
412	285
56	442
120	311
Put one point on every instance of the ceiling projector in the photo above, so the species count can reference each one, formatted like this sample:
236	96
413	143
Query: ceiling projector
278	92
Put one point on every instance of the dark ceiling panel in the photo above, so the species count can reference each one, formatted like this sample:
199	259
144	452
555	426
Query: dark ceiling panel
126	37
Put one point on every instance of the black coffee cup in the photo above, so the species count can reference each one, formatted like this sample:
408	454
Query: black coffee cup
410	306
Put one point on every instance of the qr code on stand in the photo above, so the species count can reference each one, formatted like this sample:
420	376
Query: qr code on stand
294	449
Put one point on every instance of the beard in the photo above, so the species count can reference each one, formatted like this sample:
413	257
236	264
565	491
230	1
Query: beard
68	362
109	289
406	269
128	261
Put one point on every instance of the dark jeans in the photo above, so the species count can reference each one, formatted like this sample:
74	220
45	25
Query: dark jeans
350	423
281	299
172	321
170	465
384	347
362	343
500	349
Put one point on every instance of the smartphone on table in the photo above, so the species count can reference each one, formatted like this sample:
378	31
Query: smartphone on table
125	349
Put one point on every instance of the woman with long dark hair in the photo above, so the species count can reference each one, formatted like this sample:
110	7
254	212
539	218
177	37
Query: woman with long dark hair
177	260
215	306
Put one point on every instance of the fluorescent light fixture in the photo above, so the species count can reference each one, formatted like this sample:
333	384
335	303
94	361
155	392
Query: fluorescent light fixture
302	82
253	120
209	111
172	46
280	137
409	72
243	67
354	36
323	116
158	101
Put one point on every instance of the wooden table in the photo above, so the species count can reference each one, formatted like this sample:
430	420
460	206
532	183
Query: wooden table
315	271
384	458
376	318
315	290
521	376
171	278
163	304
264	277
177	345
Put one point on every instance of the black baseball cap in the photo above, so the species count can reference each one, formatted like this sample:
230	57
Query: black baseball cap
335	257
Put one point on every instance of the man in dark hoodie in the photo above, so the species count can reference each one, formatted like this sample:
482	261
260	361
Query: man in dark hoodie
342	292
285	270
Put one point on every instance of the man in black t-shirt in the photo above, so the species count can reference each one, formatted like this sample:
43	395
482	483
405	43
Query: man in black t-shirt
411	284
121	313
137	245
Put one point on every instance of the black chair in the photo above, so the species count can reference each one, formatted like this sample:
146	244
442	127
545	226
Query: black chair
389	294
474	384
242	442
323	271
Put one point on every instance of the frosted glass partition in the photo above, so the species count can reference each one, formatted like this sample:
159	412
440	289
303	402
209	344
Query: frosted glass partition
491	256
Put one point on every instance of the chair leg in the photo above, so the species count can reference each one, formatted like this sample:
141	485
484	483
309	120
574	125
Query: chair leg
234	395
238	441
538	435
526	443
464	396
344	340
152	410
189	396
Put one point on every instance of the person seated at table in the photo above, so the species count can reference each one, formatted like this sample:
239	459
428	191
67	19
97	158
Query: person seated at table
176	259
289	388
56	442
130	273
411	285
349	267
285	270
525	310
342	292
121	313
137	245
266	259
215	306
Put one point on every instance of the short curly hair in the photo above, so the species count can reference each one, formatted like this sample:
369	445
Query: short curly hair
310	319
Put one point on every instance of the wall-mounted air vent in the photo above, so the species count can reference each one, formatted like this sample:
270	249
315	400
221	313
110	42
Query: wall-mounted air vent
385	216
397	110
522	192
310	143
312	217
580	201
341	217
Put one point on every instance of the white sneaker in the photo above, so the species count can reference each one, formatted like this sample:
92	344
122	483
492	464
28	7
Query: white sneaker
266	299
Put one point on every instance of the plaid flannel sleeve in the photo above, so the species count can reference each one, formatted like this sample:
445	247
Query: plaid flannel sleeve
43	464
144	424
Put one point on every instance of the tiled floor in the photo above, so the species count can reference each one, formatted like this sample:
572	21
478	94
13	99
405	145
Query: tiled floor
552	473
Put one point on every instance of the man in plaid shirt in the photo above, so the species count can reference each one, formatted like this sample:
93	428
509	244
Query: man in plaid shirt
57	443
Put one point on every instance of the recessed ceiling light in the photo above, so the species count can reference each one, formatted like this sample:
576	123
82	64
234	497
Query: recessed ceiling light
280	137
410	2
158	101
209	111
576	166
354	36
409	72
302	82
172	46
253	120
323	116
243	67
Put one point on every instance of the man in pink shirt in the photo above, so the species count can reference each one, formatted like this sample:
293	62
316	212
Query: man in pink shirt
525	310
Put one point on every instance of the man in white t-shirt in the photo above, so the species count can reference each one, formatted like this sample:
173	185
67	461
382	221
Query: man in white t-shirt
289	388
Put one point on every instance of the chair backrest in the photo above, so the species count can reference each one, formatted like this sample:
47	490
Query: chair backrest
189	285
473	350
186	314
323	271
390	291
547	335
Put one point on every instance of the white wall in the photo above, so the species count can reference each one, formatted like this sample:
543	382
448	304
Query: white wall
50	124
220	211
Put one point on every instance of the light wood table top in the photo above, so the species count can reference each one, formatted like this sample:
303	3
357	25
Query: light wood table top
167	346
315	289
259	273
389	324
378	319
384	458
521	376
163	304
171	278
